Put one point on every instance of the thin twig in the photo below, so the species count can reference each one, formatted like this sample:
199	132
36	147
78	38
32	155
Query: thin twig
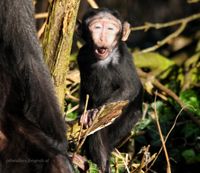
148	25
75	89
41	31
125	163
92	3
72	109
192	1
68	95
166	39
41	15
143	162
162	138
84	114
167	136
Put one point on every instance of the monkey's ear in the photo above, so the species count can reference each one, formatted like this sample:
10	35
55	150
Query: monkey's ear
79	28
126	31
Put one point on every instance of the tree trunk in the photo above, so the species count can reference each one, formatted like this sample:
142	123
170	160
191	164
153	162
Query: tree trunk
57	41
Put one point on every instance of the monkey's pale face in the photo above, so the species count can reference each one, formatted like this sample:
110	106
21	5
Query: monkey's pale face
104	31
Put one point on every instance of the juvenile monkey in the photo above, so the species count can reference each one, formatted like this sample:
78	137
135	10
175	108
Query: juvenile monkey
107	75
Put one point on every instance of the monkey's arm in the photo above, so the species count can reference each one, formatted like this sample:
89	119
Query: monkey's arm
124	92
82	101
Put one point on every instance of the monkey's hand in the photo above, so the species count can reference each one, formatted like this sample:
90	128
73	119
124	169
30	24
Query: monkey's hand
88	117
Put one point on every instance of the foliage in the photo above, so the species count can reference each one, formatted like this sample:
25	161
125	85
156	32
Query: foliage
192	99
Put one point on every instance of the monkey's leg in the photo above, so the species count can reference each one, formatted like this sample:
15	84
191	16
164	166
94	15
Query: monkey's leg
98	150
123	126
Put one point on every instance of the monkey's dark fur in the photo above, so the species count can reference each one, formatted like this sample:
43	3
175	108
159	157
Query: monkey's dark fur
114	81
30	117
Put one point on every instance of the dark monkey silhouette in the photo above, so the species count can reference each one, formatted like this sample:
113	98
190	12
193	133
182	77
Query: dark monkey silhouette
107	75
32	131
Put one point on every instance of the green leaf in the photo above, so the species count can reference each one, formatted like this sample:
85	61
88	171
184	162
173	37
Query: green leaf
154	61
191	98
93	168
190	130
190	156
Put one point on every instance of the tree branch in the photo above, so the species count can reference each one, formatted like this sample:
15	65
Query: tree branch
149	25
169	92
183	22
57	41
166	39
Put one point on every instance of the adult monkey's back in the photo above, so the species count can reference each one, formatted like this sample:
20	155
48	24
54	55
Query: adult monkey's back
32	131
107	75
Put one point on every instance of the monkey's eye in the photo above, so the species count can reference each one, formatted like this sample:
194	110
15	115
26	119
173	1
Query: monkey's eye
97	27
110	28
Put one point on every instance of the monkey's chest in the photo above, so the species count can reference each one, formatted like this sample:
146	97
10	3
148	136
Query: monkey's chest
101	85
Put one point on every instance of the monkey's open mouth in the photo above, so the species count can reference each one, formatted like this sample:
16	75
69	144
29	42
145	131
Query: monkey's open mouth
102	52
